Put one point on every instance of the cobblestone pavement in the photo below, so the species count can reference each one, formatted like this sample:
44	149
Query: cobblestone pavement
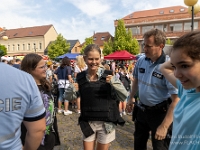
71	135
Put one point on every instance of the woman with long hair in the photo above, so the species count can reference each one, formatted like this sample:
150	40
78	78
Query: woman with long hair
79	67
36	66
64	76
99	91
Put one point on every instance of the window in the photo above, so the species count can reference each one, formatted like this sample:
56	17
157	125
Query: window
165	27
135	30
34	45
182	10
23	47
76	49
95	39
171	11
18	47
161	12
13	47
29	46
40	46
159	27
102	38
146	28
8	47
176	27
131	16
187	26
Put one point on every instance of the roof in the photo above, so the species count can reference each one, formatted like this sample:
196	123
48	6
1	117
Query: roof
158	11
72	43
27	32
100	37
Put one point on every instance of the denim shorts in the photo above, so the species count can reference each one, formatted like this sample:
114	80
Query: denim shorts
61	92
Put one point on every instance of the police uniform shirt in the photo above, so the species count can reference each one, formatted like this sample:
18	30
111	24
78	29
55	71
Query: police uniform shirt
152	85
19	100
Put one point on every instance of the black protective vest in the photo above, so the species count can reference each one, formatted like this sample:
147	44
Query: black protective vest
98	103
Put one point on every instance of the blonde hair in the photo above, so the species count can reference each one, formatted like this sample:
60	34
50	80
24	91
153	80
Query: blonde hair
80	62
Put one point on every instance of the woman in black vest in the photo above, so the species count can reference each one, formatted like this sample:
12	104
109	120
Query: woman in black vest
99	91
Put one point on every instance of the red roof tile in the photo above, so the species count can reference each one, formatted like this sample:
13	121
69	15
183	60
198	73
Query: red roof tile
156	12
27	32
100	37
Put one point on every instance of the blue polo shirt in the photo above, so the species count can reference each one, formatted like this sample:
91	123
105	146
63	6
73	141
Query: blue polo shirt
20	100
152	85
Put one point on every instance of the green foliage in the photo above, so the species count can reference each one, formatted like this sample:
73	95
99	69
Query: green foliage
108	47
123	39
132	45
87	42
3	50
169	42
120	36
59	47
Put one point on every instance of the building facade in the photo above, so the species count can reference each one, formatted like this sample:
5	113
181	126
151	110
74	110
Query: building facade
74	46
99	38
174	21
28	40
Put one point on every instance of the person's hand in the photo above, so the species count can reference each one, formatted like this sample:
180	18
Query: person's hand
71	81
108	78
161	132
76	86
130	105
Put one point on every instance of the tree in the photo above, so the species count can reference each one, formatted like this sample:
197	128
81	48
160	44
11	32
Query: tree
87	42
123	39
169	42
120	36
59	47
108	47
132	44
3	50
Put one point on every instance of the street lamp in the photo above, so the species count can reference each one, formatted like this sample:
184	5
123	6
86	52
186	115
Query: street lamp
4	37
193	8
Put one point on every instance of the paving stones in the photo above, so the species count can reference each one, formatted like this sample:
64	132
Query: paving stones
71	135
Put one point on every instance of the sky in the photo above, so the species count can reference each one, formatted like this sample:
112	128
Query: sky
74	19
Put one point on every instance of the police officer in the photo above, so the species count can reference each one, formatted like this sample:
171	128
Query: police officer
20	101
157	96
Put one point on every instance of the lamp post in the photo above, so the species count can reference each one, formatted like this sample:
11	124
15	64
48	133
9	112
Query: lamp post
193	8
5	38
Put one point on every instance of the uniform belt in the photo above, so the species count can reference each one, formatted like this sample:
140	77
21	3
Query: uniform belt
157	106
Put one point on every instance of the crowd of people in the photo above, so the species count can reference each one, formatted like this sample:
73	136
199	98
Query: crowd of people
161	93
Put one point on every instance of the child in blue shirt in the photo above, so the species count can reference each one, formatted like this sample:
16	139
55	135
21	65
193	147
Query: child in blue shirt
183	71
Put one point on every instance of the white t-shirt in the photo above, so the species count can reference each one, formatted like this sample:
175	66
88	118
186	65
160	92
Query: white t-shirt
77	69
49	73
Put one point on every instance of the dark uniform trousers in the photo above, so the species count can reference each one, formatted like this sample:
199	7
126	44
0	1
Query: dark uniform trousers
146	121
